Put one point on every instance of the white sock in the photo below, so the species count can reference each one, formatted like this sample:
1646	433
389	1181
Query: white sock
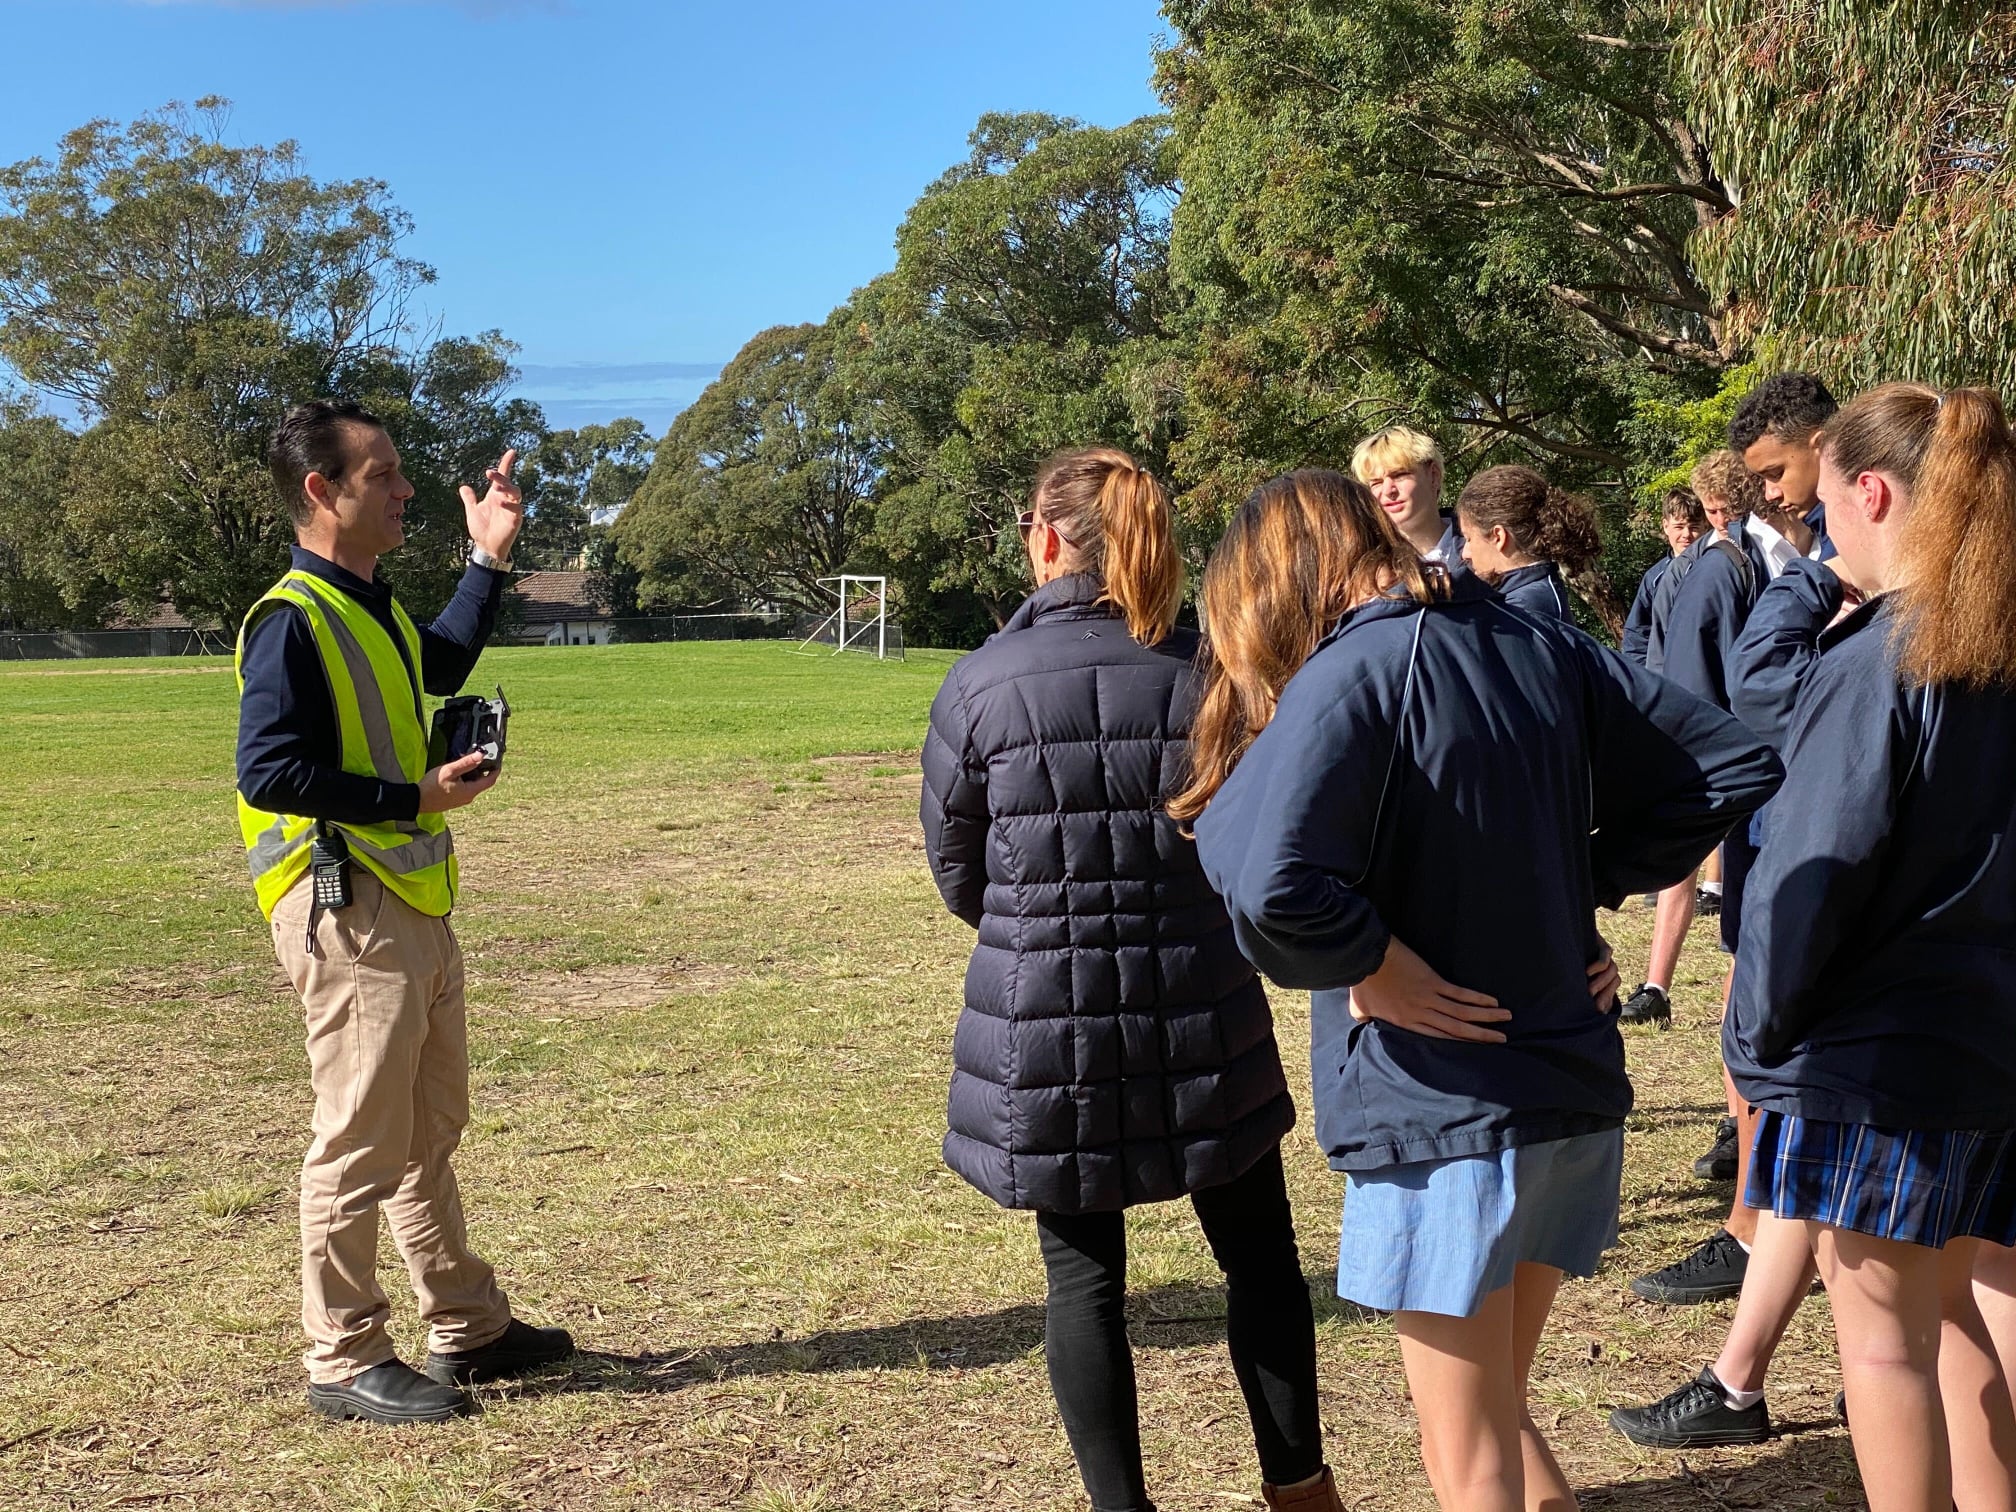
1743	1247
1712	887
1737	1399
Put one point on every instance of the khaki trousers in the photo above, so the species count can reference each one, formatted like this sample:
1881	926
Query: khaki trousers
388	1058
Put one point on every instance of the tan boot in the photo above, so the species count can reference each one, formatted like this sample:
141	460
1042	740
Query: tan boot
1318	1496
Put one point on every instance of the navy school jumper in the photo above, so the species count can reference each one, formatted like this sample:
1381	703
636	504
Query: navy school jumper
1115	1047
1475	780
1637	642
1537	588
1876	982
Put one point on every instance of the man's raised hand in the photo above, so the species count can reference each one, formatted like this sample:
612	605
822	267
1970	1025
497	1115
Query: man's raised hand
496	518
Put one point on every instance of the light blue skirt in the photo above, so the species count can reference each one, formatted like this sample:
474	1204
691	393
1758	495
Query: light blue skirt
1440	1236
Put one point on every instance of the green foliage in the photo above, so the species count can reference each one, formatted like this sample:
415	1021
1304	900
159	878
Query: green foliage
1875	237
1028	311
45	584
761	488
1468	216
181	292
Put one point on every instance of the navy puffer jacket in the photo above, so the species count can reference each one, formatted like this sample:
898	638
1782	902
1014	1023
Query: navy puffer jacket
1115	1047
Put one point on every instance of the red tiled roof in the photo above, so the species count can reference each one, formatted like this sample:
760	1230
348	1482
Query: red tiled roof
547	598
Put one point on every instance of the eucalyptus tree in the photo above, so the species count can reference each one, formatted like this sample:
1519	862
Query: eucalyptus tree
179	291
1868	151
760	488
1028	311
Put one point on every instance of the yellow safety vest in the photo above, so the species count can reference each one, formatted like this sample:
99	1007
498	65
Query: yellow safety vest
382	735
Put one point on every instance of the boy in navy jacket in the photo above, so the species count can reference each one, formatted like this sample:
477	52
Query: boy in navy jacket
1776	432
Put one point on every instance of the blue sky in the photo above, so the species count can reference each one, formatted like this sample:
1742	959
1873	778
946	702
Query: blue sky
629	190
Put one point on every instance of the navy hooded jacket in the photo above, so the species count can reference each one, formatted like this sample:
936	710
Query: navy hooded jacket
1876	980
1537	589
1637	640
1474	780
1115	1047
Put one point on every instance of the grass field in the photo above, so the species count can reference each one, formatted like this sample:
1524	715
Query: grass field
711	998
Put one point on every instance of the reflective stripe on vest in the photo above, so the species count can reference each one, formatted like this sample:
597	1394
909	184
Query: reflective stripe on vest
380	734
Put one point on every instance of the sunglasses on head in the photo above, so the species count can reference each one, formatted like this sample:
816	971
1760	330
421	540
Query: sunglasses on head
1026	522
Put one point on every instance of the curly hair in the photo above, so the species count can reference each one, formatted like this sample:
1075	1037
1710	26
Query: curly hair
1545	522
1791	406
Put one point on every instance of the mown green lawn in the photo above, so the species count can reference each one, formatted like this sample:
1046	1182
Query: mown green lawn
711	1000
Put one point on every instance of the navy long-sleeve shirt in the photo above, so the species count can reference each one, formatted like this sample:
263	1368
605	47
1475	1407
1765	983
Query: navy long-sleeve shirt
288	736
1475	780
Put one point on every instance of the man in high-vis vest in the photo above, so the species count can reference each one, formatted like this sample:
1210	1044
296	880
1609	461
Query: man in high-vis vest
332	679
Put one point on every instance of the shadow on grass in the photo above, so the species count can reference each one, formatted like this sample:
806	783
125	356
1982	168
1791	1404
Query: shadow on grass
1162	1317
1797	1470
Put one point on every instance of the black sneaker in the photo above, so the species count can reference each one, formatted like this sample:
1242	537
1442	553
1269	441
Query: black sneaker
1648	1005
1719	1164
1697	1416
1710	1272
1841	1406
1707	904
520	1348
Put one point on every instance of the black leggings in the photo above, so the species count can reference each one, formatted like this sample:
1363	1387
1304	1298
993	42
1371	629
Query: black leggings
1270	1329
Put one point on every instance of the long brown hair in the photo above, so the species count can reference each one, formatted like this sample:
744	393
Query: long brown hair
1299	552
1117	518
1545	522
1956	589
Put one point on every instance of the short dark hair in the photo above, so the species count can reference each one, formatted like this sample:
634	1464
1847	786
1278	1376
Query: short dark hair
309	438
1791	406
1683	504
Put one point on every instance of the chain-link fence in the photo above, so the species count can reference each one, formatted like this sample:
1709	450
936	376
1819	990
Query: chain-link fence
22	646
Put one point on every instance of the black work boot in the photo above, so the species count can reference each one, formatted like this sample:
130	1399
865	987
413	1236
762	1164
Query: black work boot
1648	1005
1709	1272
520	1348
390	1393
1697	1416
1719	1164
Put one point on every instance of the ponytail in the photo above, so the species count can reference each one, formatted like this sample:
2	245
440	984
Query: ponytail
1545	522
1951	565
1117	515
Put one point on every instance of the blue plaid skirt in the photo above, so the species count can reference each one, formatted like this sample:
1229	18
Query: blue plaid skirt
1918	1186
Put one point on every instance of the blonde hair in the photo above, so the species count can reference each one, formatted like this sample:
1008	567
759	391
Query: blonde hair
1956	589
1117	519
1301	550
1394	449
1722	475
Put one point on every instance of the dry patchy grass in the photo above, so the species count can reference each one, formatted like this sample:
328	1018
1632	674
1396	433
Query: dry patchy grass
711	1003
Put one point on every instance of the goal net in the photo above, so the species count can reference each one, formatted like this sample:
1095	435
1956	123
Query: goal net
859	620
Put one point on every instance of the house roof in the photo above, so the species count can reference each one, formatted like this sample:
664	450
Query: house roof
546	598
163	616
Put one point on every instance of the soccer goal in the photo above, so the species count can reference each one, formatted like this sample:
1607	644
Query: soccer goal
859	621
